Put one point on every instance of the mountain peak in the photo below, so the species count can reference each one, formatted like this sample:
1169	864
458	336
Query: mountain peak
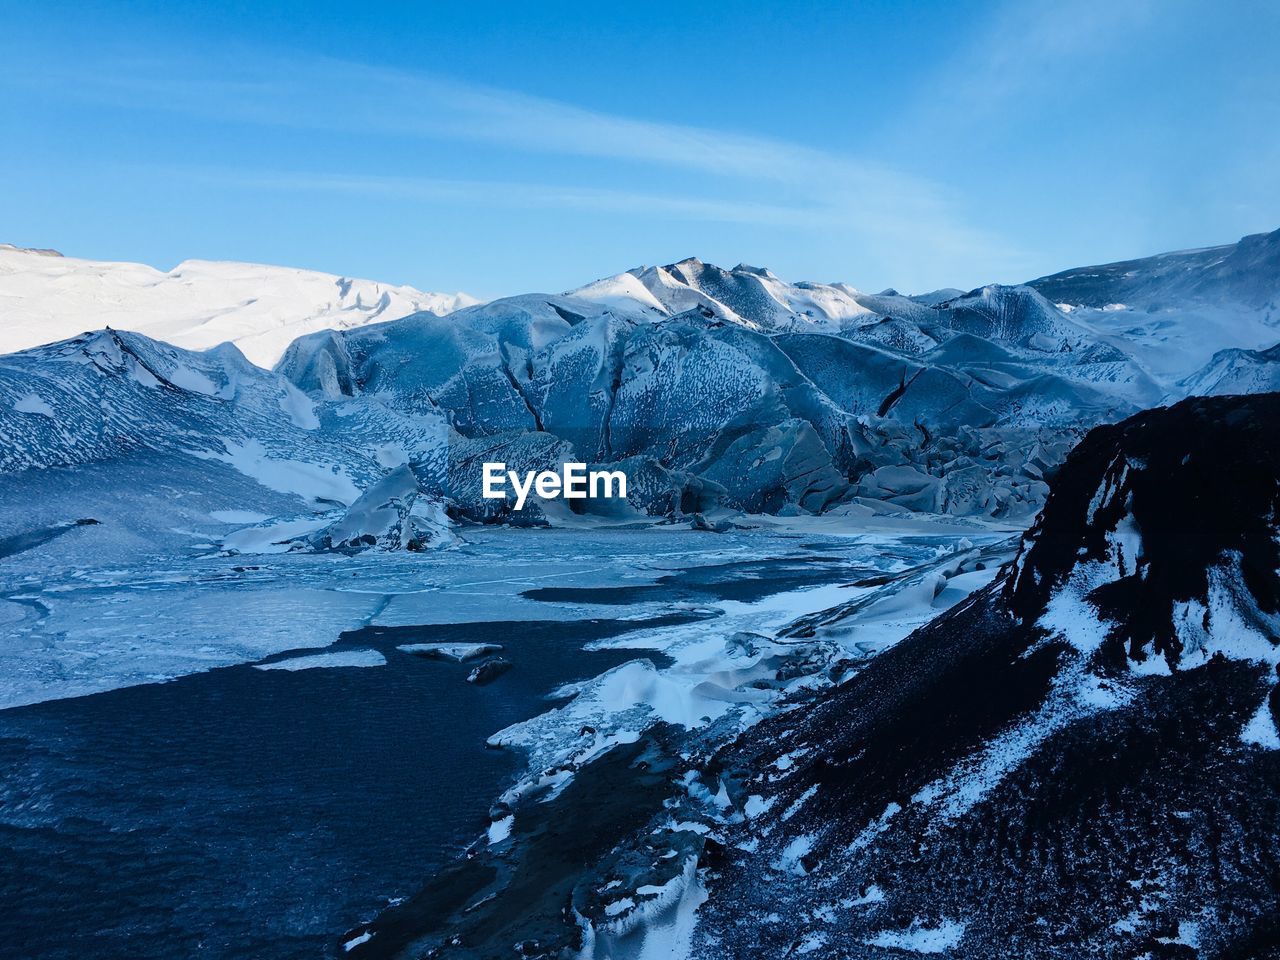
34	251
1246	272
764	272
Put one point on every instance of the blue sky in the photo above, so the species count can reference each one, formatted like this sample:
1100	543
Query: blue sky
500	148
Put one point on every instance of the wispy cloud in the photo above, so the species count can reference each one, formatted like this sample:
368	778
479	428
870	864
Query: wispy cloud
355	98
734	177
499	193
772	181
1027	46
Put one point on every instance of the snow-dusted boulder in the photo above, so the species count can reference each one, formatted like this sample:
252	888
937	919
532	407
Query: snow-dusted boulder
387	517
904	486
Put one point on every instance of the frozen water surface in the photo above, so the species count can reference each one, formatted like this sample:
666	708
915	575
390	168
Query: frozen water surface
160	796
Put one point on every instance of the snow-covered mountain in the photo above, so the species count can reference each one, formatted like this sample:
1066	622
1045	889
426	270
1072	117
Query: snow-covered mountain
957	407
711	388
1169	312
46	297
170	424
1246	272
1078	758
748	295
1175	310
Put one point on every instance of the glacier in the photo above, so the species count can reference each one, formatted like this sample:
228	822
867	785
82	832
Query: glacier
711	388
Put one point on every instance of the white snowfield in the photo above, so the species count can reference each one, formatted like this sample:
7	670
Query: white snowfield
198	304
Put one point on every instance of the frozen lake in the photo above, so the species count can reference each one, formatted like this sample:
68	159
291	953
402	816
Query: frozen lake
160	795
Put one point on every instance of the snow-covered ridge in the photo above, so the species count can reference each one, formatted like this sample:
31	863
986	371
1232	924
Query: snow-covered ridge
1246	272
751	296
90	402
45	297
708	387
1173	311
1160	535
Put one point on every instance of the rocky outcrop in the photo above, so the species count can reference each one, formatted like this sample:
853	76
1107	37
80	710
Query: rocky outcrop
390	515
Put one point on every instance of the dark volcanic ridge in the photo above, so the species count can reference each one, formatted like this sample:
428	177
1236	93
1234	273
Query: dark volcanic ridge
1080	761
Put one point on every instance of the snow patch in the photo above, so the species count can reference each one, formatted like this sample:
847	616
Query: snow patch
1261	729
919	938
356	941
499	830
238	516
308	480
31	403
280	536
792	855
875	828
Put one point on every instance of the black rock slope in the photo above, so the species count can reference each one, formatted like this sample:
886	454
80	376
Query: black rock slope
1081	761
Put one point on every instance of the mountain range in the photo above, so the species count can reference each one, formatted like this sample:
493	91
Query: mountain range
714	389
